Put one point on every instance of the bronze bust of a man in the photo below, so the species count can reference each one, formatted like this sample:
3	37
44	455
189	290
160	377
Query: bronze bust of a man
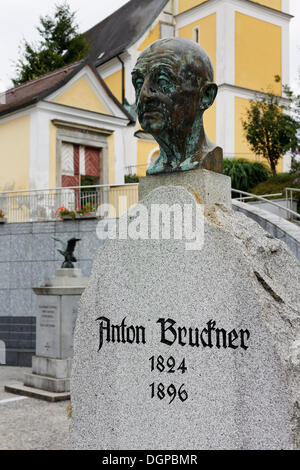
173	79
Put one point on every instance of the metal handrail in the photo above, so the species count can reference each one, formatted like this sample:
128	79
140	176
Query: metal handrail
260	198
292	189
94	186
289	200
263	195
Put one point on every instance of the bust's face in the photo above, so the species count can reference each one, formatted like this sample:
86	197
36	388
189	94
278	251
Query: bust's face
167	90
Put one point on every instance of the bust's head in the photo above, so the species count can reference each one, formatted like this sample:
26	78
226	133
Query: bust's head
173	82
173	79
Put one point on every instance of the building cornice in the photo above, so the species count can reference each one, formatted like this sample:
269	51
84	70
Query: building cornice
70	112
17	113
82	127
248	93
253	6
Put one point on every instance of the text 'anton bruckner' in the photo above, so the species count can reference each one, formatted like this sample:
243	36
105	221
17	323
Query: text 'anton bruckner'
171	333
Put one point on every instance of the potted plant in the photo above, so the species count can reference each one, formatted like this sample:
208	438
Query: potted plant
86	211
65	214
3	219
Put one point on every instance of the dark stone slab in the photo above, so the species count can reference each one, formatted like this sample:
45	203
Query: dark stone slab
18	334
19	358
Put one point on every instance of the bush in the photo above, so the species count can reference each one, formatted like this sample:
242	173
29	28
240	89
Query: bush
131	179
277	184
244	174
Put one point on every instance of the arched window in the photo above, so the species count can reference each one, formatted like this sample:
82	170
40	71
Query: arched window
153	156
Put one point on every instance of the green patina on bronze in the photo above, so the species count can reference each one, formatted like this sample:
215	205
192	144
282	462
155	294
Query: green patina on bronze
173	79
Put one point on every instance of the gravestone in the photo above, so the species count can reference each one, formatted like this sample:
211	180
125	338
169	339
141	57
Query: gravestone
181	347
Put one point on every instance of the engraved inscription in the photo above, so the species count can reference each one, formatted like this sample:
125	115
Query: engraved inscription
170	333
48	329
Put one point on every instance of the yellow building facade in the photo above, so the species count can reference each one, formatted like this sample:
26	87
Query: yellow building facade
73	132
248	43
15	153
89	114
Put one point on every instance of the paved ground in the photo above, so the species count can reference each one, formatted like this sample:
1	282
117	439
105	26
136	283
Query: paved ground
28	423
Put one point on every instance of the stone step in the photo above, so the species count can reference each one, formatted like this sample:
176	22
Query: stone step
47	383
20	389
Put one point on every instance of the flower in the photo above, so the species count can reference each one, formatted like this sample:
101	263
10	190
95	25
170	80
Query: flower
63	211
2	214
86	209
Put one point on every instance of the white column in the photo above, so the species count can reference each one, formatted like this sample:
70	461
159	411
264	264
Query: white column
39	167
131	144
129	88
81	160
286	6
225	44
285	54
119	156
226	122
287	160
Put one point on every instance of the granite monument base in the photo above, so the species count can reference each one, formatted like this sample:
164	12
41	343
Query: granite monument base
188	348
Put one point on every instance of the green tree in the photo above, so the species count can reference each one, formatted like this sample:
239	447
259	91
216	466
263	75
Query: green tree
60	45
294	101
271	128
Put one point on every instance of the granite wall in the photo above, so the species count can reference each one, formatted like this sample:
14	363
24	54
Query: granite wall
276	226
28	255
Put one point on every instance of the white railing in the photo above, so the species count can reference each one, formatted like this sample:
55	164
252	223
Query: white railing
245	196
289	196
43	204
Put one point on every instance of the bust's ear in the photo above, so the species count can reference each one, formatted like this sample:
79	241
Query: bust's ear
208	95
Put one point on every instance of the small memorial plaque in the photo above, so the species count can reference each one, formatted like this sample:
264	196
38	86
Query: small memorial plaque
48	327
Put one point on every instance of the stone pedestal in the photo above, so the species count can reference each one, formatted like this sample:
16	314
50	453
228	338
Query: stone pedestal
51	367
209	188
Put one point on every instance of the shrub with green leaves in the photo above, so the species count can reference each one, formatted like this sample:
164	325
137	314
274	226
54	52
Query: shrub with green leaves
277	184
129	179
244	174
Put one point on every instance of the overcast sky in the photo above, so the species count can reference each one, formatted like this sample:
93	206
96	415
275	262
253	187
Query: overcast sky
18	19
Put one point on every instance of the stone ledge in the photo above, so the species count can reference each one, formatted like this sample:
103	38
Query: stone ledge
20	389
58	290
53	368
49	384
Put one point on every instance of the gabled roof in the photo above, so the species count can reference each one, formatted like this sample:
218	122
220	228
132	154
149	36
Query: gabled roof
36	90
107	39
116	33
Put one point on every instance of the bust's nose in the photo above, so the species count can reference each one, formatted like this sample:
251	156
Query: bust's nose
148	91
